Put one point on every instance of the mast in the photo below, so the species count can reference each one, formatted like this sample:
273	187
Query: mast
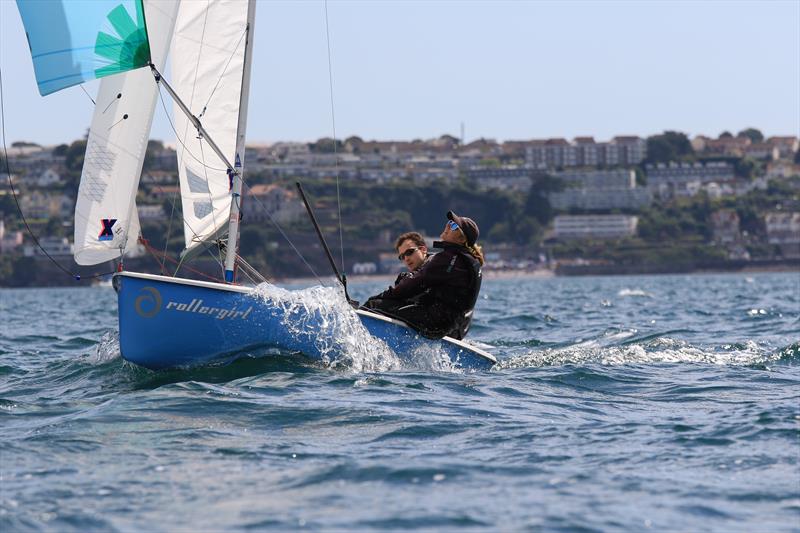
237	175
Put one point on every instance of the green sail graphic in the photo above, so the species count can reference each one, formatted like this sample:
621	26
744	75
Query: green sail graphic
129	49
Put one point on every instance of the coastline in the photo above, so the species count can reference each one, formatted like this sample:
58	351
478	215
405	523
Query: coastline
52	278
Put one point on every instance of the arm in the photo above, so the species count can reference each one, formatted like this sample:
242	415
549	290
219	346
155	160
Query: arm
418	281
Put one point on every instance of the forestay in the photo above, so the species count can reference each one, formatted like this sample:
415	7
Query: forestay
106	222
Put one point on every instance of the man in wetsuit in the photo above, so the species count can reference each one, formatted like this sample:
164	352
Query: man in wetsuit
438	298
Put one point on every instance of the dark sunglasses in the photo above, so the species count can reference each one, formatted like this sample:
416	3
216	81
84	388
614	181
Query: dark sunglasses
407	253
453	225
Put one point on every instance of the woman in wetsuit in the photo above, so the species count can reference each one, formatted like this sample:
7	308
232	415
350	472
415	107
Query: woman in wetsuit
438	299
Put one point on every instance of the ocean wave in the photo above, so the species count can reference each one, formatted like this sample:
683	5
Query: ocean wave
655	351
634	293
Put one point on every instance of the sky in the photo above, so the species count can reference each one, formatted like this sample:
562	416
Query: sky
506	70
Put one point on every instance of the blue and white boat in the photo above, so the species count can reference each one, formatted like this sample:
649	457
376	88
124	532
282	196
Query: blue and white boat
167	322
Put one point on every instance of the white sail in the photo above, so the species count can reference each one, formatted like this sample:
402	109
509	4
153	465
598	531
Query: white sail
208	65
106	222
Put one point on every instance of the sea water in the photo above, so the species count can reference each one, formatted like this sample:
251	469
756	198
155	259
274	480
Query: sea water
618	404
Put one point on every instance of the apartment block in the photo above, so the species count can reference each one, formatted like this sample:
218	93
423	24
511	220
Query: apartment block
507	178
686	179
599	190
570	227
584	151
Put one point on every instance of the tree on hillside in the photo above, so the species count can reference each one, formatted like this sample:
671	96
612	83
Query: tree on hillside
537	204
753	134
450	140
325	146
60	150
74	156
747	168
669	146
154	148
726	135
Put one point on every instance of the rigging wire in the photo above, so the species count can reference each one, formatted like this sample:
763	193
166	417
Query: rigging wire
244	183
333	121
73	275
219	79
280	229
87	94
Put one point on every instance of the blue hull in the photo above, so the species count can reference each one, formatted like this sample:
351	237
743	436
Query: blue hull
170	322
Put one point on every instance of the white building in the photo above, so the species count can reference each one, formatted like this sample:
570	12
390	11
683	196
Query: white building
50	176
686	179
9	240
54	246
151	212
599	190
506	177
566	227
783	228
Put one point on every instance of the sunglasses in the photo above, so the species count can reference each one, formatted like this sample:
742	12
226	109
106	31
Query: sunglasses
453	225
407	253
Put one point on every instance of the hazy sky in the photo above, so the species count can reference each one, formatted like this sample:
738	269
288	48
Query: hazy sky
507	70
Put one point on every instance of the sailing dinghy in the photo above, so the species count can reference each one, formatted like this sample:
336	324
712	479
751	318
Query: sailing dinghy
164	321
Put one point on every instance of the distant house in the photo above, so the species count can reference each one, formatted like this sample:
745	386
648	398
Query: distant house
162	192
365	268
730	146
725	223
575	227
762	151
54	246
41	205
264	202
787	146
783	230
160	177
4	180
151	212
9	240
50	176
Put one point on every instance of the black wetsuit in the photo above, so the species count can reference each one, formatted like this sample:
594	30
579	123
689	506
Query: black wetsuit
437	299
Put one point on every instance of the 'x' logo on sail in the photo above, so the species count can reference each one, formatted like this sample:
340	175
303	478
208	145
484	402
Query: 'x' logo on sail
106	234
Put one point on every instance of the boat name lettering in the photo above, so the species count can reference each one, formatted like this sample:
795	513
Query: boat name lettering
196	306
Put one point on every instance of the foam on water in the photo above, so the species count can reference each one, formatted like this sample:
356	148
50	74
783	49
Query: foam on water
341	337
107	349
634	292
659	350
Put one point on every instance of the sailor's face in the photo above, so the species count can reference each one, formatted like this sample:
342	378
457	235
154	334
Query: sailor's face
451	235
411	254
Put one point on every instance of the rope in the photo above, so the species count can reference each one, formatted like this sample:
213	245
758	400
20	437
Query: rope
73	275
333	122
278	227
166	257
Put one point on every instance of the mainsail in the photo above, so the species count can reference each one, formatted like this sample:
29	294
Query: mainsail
106	222
210	72
72	41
